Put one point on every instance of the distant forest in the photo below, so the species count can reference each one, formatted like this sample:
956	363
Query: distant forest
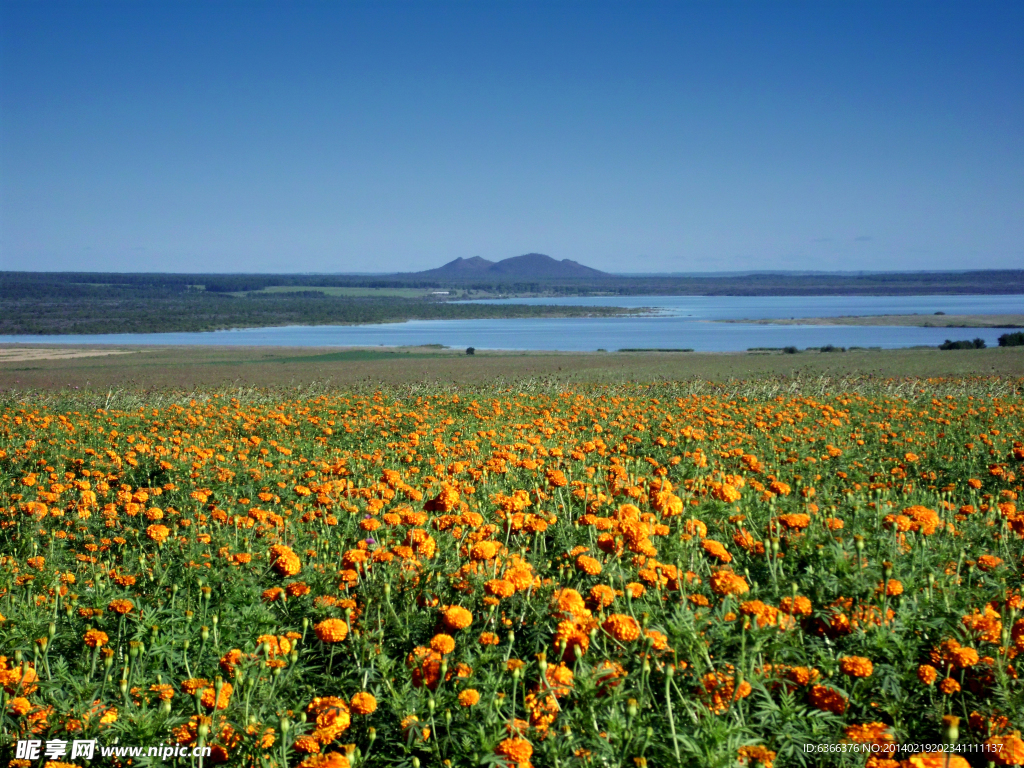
83	302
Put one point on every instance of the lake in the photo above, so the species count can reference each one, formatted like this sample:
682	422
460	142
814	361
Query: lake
681	322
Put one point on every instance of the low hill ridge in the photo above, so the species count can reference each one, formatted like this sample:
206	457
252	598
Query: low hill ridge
528	266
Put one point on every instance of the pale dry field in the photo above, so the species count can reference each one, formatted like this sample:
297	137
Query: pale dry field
188	367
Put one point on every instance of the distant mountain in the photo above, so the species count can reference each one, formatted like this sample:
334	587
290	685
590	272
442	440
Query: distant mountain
528	266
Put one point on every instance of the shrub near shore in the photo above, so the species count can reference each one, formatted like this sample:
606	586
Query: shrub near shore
574	578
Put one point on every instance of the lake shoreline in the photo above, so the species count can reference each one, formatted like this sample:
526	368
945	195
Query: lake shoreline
909	320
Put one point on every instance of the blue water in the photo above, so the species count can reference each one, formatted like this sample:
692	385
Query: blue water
681	322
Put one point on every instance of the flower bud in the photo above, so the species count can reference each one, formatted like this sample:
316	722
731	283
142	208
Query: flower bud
950	729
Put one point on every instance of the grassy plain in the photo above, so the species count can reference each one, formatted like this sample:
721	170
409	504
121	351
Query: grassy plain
405	293
186	367
920	321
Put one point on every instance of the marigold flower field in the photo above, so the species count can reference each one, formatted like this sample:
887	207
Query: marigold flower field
600	576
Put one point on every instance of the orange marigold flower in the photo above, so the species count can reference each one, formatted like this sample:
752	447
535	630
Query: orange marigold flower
331	630
272	594
456	617
488	638
721	691
469	697
965	657
285	562
121	606
602	595
363	703
329	760
927	674
716	549
222	700
20	706
694	527
827	699
756	756
588	565
892	587
517	751
485	550
869	733
795	521
728	583
622	627
500	588
935	760
442	643
297	589
570	602
795	606
1007	749
94	638
163	691
949	686
332	717
158	533
559	678
856	666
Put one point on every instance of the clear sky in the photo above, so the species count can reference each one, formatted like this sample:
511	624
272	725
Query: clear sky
630	136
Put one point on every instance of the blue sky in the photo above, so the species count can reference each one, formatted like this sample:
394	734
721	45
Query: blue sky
630	136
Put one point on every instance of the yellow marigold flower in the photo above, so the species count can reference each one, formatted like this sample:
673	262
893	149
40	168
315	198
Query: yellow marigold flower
621	627
469	697
363	703
331	630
